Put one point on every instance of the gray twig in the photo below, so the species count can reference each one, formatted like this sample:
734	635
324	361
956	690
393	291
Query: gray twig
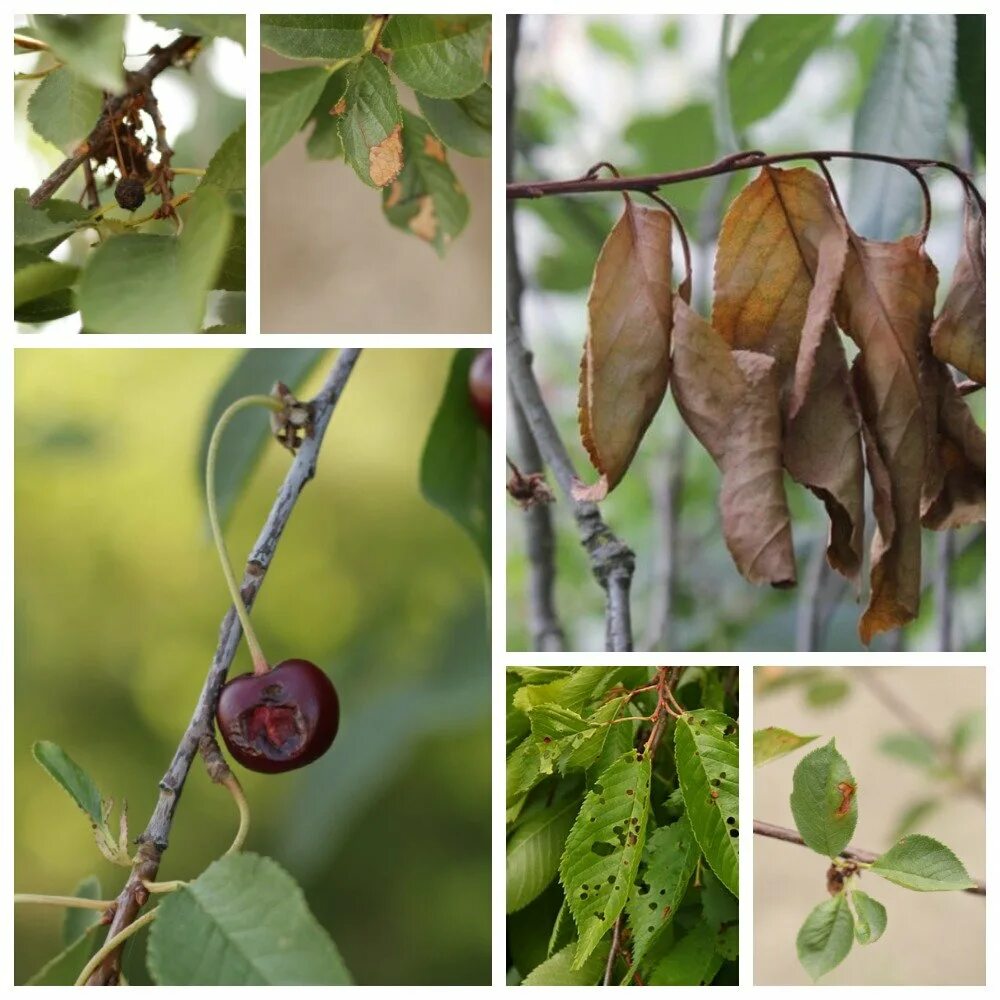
775	832
546	630
667	490
154	839
611	560
944	598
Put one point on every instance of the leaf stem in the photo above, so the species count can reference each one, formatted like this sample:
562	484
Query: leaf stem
236	790
114	942
173	886
73	902
256	653
29	43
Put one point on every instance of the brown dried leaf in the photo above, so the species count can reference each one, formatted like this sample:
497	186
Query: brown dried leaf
958	336
385	159
954	492
779	264
886	305
626	360
729	399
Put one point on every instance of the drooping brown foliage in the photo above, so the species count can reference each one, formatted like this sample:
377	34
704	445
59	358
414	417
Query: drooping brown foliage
766	386
626	360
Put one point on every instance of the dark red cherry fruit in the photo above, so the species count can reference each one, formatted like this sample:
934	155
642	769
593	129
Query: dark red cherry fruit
280	720
481	387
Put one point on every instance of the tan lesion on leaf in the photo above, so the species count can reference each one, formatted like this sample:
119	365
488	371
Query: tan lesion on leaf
385	159
433	148
340	107
425	224
487	55
395	194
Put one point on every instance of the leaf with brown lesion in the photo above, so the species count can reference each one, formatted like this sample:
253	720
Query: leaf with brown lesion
385	158
730	400
886	304
958	336
780	260
626	360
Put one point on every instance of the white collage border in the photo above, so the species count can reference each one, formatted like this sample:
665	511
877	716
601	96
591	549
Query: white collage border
500	657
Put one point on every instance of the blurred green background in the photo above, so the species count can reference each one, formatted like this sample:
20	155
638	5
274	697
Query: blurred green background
653	93
117	606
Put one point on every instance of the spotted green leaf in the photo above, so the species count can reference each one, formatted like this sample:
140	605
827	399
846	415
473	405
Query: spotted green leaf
666	868
706	750
604	848
370	121
824	800
426	199
464	124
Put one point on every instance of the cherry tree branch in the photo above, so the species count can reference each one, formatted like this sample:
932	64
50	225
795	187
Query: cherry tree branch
135	83
154	839
590	183
547	632
611	560
763	829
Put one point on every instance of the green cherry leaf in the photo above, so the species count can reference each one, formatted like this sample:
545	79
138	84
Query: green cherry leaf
919	862
870	918
824	800
826	937
771	743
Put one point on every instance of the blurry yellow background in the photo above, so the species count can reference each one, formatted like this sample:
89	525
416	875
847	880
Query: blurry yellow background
117	606
932	938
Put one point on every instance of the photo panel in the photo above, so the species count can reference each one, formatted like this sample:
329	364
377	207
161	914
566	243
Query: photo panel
869	844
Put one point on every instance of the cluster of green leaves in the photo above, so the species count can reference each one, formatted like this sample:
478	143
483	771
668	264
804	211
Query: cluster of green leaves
601	829
242	921
824	802
143	276
348	99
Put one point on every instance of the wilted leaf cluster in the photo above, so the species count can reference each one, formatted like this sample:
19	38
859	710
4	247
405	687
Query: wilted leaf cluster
769	386
151	273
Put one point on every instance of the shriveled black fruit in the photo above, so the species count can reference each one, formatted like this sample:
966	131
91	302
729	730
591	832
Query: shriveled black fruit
130	193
